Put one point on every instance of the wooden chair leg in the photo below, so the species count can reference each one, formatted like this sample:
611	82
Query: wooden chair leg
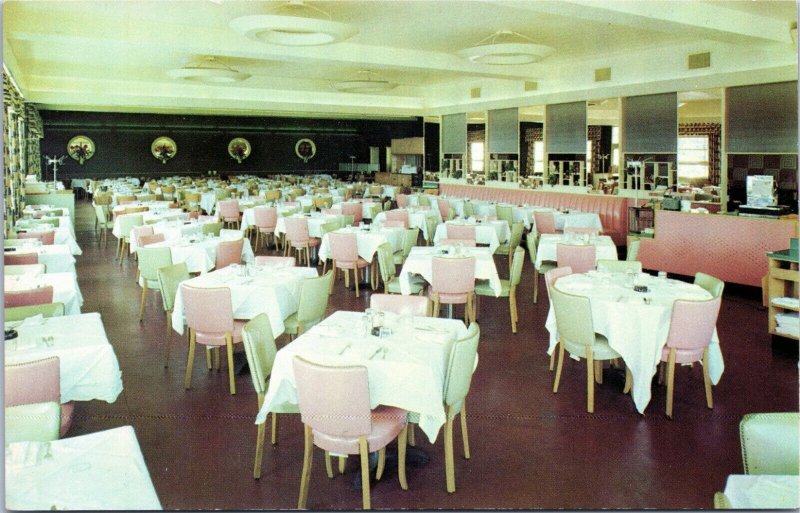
144	298
231	377
449	464
259	450
553	356
670	379
512	306
589	380
355	279
168	338
190	361
381	464
412	441
401	457
598	372
536	288
328	466
464	433
308	458
364	452
707	380
628	380
560	365
342	463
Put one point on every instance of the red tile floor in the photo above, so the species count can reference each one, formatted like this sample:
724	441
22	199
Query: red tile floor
531	449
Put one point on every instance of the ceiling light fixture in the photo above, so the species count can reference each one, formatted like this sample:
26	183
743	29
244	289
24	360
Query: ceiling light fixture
506	48
367	84
293	24
210	71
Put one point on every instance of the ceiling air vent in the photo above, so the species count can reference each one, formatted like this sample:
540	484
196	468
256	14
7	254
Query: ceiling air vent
475	92
602	74
700	60
531	86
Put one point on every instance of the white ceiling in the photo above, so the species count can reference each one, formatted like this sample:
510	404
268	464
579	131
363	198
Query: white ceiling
114	55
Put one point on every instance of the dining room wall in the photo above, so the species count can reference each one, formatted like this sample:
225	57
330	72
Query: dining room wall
122	142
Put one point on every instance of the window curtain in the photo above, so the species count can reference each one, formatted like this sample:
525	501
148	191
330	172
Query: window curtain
713	132
531	136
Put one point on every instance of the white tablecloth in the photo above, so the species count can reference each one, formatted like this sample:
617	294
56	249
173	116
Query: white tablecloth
89	367
200	255
637	331
64	233
98	471
56	257
151	217
368	241
577	220
172	230
489	232
315	222
416	219
548	247
406	369
274	291
65	288
420	261
753	491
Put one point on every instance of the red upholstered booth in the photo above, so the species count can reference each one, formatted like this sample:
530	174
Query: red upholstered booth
613	210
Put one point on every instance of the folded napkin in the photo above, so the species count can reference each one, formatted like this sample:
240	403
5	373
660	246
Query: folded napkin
35	320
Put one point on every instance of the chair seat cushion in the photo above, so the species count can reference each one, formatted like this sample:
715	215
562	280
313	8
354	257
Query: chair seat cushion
387	422
291	324
449	298
482	288
393	286
399	258
683	355
547	265
218	339
360	264
600	350
266	229
503	249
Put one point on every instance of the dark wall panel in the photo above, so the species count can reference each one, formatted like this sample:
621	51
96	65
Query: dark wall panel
122	142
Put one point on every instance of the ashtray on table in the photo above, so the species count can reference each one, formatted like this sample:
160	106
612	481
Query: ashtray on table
640	288
9	249
11	334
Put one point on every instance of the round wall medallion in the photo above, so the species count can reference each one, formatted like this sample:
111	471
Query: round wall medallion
164	148
239	149
305	149
80	148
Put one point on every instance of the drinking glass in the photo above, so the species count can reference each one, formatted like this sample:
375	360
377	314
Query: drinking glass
630	278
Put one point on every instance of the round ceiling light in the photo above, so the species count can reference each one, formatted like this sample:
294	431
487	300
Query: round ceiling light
364	85
210	71
293	24
506	48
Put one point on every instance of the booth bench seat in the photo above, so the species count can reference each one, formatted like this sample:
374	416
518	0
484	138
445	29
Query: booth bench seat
613	210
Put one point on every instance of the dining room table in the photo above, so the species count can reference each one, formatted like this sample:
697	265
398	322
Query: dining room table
104	470
65	288
199	251
417	218
315	222
420	261
635	323
89	369
547	248
254	289
57	258
174	229
368	238
763	491
491	233
64	232
406	366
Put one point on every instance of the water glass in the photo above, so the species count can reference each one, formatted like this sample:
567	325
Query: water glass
378	319
630	278
366	325
662	275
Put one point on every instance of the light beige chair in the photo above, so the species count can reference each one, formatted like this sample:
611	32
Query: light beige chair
34	422
619	266
513	243
633	251
508	287
546	266
770	443
311	306
713	285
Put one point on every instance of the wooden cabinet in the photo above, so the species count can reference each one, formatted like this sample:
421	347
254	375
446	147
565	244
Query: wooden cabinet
394	179
782	286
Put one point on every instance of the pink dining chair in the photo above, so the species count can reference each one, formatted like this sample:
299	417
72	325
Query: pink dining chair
146	240
275	261
460	231
13	258
38	381
334	405
209	318
545	222
228	211
37	296
581	230
344	253
550	278
353	209
138	231
266	218
229	252
394	223
579	257
690	330
453	283
444	208
400	304
402	200
194	215
298	238
47	238
397	215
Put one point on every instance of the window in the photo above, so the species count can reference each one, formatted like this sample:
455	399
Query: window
476	158
538	157
588	156
693	156
615	146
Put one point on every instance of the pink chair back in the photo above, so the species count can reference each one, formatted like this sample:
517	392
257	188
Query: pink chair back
333	400
297	230
545	222
228	210
266	217
146	240
444	207
397	215
275	261
20	258
38	381
209	313
400	304
402	200
194	215
580	258
37	296
552	275
693	323
460	231
229	252
352	209
138	231
453	275
48	238
581	229
344	247
467	243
